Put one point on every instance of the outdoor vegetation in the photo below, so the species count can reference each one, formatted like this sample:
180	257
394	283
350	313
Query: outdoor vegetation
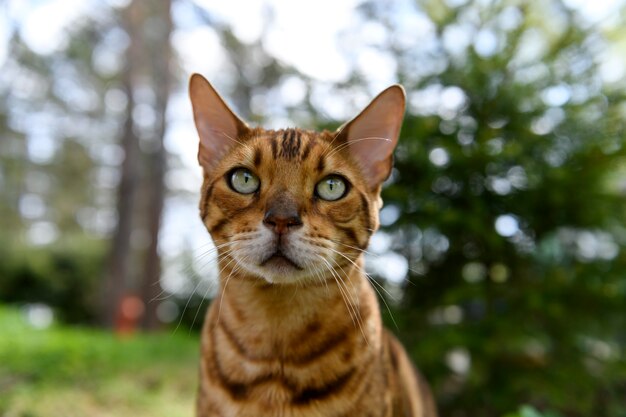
61	371
502	243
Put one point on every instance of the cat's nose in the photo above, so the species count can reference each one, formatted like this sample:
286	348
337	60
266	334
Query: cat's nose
282	222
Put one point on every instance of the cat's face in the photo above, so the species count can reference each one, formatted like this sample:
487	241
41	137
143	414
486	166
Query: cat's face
289	205
292	205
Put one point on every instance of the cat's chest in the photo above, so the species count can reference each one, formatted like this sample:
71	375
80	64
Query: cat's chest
289	368
305	331
328	394
287	352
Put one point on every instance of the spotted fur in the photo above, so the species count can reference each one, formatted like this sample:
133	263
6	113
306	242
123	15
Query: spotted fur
300	334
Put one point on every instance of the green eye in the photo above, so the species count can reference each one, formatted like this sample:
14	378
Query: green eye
243	181
331	188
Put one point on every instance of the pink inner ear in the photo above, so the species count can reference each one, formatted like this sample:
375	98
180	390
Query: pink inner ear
217	125
373	134
372	139
214	142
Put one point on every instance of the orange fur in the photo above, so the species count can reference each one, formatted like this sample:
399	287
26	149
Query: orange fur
296	328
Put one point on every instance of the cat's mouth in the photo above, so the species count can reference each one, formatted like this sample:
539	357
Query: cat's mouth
279	260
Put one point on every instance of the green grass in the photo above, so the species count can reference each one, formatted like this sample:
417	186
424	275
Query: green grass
67	371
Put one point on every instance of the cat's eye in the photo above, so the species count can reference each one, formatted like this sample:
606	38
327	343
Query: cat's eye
243	181
331	188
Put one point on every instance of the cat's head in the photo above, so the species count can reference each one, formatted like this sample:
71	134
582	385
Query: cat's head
290	205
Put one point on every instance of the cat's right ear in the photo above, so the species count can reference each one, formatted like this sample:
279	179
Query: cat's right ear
218	126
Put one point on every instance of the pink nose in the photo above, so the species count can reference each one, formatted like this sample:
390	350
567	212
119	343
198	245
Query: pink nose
281	223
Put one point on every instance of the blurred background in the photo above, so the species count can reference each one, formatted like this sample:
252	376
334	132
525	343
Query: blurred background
501	253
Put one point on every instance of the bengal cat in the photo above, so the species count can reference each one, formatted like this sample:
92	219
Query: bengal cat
296	329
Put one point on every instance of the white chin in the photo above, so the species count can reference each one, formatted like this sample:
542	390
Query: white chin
280	273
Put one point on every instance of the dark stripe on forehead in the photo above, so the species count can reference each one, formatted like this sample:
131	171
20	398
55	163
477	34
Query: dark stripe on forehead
291	144
321	165
257	157
274	148
307	149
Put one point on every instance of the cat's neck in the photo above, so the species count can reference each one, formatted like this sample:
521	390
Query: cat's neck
276	315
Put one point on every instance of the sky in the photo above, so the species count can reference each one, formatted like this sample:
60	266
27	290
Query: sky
314	37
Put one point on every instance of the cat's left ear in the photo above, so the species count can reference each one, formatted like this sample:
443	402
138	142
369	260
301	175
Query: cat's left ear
373	134
218	126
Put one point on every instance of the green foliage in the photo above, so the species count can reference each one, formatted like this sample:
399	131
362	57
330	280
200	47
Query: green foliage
66	276
512	225
528	411
78	371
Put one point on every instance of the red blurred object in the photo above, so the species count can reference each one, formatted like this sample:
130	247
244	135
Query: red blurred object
129	313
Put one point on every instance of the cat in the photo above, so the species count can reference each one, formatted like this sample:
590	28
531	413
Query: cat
296	329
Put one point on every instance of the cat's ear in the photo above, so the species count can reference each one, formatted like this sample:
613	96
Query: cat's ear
373	134
218	126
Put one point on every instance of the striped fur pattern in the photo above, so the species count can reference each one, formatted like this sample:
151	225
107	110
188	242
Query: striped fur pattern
297	334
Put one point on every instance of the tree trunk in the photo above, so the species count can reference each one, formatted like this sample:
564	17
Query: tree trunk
160	56
119	258
119	267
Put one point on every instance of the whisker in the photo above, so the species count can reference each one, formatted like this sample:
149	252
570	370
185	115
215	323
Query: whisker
207	290
231	241
213	249
237	267
295	291
204	245
194	292
353	247
318	272
344	295
345	275
323	279
197	258
245	145
357	314
345	145
182	315
339	132
407	280
375	289
229	248
361	269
